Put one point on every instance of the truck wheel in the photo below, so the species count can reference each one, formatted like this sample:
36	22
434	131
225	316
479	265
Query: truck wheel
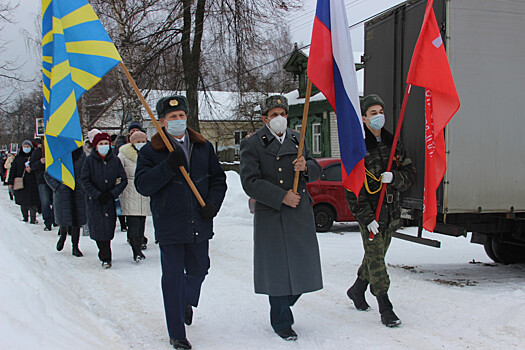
508	253
490	250
324	218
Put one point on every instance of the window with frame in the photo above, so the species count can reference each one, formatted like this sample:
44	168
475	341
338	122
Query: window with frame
238	136
316	138
298	127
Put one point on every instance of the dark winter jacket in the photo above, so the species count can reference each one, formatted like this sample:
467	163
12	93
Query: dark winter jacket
173	204
37	166
98	176
28	196
69	205
376	161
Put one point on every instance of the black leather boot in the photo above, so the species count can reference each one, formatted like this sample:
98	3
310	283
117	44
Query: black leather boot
388	317
75	238
357	294
62	239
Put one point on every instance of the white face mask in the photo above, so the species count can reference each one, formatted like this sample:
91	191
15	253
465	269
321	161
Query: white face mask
278	124
139	145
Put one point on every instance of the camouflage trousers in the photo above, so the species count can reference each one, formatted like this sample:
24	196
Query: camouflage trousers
373	267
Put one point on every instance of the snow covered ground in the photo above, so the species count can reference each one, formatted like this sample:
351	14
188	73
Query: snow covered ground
448	298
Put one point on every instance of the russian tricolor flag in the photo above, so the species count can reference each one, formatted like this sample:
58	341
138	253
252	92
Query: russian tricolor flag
331	69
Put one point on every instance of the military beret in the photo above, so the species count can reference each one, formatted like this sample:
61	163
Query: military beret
170	104
273	102
369	101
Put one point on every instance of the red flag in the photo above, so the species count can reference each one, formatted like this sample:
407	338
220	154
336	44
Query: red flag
430	69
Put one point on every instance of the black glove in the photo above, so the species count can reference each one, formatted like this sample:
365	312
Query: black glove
105	197
208	212
176	159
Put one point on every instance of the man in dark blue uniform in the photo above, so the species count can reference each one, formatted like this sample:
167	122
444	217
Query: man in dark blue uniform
182	227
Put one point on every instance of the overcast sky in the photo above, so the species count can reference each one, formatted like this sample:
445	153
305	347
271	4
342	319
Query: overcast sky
300	23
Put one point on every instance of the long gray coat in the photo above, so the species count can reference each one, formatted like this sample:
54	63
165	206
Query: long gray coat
286	252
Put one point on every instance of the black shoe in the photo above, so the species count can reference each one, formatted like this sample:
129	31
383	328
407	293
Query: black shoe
55	224
34	222
106	264
77	252
287	334
144	245
139	257
25	219
61	241
356	293
188	315
123	229
180	343
47	228
388	317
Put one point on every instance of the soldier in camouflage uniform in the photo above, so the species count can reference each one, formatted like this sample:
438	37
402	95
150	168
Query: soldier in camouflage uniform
373	269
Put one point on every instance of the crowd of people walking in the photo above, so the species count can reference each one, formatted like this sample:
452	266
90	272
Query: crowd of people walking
137	178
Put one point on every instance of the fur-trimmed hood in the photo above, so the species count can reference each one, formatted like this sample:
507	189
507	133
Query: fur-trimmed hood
159	146
129	152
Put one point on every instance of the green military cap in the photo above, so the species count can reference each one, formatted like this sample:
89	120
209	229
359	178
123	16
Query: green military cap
273	102
369	101
170	104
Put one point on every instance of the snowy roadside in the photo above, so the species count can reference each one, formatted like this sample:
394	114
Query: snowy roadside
53	300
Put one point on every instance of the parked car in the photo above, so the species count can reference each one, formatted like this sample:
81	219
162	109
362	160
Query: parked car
328	194
329	197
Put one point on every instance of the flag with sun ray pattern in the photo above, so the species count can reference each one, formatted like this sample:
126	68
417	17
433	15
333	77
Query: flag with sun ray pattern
76	53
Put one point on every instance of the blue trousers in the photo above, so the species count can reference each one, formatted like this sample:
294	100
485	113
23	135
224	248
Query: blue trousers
184	267
46	200
280	313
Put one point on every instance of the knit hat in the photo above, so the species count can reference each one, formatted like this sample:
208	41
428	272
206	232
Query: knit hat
92	133
369	101
138	136
170	104
99	137
27	143
273	102
135	125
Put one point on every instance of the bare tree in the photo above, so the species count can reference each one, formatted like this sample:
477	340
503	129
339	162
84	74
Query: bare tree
10	76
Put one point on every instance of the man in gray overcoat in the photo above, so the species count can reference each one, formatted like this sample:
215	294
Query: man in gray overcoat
286	253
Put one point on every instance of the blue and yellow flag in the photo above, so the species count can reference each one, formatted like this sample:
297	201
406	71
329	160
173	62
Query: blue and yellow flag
76	53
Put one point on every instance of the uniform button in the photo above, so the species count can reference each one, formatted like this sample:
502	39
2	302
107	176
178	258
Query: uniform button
280	169
278	158
196	233
296	146
304	190
281	181
106	214
106	181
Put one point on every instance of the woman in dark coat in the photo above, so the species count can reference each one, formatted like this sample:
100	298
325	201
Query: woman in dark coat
103	178
69	205
27	197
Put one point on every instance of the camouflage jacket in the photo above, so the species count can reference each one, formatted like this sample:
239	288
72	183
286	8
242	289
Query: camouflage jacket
376	161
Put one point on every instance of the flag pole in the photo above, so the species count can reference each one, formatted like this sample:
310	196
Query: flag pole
303	131
161	132
392	152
